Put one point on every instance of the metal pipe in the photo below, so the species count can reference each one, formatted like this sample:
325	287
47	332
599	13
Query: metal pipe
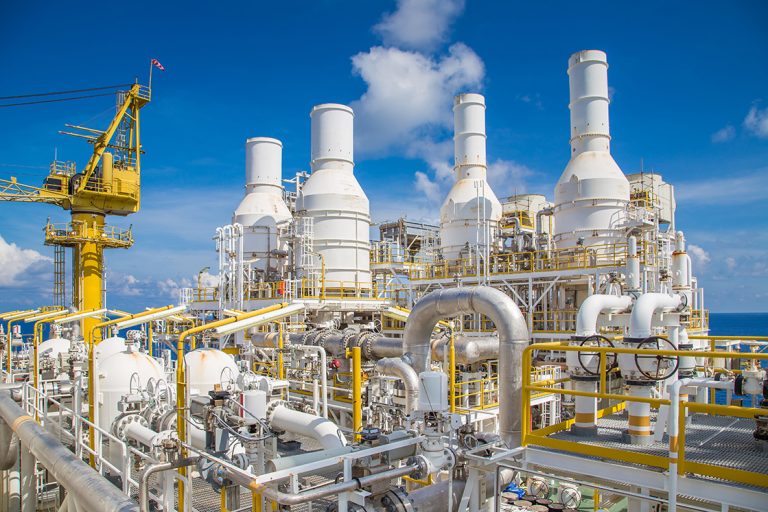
322	492
469	349
9	447
398	367
91	491
318	428
323	372
513	338
158	468
590	309
646	305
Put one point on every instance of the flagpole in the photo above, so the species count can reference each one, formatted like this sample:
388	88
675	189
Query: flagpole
150	77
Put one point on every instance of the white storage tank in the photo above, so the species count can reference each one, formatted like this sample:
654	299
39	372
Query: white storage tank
471	212
119	375
52	347
207	367
109	347
592	194
263	210
334	201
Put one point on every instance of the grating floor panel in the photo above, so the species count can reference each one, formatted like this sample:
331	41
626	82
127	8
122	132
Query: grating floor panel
717	440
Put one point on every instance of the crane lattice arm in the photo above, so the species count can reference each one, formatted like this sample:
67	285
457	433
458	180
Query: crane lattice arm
12	190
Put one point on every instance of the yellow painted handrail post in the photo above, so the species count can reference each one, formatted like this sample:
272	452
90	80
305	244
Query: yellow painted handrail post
181	380
90	342
452	366
357	392
150	340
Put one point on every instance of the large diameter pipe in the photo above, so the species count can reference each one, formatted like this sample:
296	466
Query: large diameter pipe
397	367
468	349
588	79
91	491
469	136
513	339
263	163
332	137
590	309
318	428
640	322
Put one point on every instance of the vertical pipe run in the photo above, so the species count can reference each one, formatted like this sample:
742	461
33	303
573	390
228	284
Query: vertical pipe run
586	408
452	368
640	415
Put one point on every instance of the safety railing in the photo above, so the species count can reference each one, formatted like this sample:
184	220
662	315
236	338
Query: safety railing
80	232
677	445
64	421
596	256
317	289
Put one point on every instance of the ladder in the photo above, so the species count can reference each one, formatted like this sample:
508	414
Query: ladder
59	276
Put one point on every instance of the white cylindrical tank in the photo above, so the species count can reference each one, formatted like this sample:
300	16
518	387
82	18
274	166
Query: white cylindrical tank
207	367
592	194
263	208
52	347
119	375
109	347
471	212
334	201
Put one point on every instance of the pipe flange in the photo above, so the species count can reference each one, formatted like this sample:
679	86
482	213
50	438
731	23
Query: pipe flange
274	404
396	500
122	422
422	469
346	340
321	337
365	342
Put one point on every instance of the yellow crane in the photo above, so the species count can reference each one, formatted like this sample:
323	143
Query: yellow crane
109	184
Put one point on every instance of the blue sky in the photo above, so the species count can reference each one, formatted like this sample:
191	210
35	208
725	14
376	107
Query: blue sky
690	100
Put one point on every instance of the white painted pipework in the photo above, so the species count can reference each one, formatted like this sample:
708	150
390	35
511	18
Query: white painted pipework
641	319
397	367
633	266
590	309
320	429
673	431
513	339
320	351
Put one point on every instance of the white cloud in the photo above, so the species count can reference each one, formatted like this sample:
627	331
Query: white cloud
742	188
419	24
699	255
724	134
508	177
19	266
409	94
756	122
429	188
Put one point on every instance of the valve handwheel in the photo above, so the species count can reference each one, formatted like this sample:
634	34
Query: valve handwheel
663	371
597	340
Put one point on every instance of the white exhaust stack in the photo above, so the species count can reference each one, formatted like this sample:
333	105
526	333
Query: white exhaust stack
470	214
262	209
592	194
334	200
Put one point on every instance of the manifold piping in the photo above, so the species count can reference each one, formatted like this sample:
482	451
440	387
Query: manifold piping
513	338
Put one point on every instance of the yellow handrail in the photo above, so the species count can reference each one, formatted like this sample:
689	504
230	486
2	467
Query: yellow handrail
540	437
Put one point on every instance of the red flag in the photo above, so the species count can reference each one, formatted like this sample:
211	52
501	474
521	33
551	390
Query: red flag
157	64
